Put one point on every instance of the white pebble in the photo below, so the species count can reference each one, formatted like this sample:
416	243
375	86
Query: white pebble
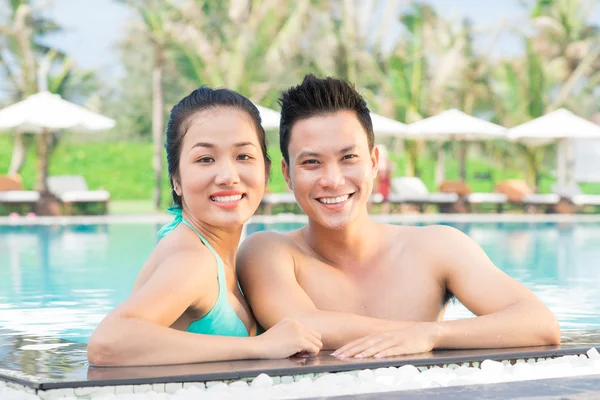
366	375
593	354
262	381
408	371
492	366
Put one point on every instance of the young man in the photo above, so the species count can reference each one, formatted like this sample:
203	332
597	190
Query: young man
372	289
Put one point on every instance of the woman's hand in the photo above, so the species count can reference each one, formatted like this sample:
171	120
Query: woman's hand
288	338
418	338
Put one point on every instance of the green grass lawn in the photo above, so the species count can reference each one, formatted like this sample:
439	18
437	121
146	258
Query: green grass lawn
125	169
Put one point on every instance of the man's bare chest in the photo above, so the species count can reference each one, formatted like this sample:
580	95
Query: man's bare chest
388	292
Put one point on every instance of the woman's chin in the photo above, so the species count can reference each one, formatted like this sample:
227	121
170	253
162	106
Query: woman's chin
230	222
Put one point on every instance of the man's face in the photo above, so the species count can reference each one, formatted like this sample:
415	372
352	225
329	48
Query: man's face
331	169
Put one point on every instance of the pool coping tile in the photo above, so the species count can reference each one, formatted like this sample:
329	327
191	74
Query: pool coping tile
247	369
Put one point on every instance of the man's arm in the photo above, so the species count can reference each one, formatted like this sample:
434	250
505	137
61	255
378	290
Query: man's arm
508	314
266	271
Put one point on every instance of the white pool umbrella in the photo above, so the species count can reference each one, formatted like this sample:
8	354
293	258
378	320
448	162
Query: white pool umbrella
451	125
455	125
270	118
45	112
562	126
384	126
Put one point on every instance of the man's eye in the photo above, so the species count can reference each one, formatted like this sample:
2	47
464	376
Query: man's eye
349	156
310	162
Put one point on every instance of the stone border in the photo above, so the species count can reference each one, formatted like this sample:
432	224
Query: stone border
511	355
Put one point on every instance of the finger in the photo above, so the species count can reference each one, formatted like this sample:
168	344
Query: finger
302	354
350	345
391	352
306	329
316	341
359	348
313	334
311	348
378	348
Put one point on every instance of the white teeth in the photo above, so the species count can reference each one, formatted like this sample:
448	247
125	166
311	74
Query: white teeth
226	199
333	200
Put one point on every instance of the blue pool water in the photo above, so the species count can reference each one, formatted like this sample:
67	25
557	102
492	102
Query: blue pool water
60	281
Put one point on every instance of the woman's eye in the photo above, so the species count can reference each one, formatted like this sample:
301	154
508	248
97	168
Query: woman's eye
205	160
244	157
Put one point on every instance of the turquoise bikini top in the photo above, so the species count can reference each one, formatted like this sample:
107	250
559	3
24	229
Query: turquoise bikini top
221	320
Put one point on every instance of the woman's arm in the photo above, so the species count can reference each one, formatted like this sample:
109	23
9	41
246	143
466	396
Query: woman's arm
137	332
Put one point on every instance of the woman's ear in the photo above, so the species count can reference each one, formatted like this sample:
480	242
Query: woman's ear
267	172
177	186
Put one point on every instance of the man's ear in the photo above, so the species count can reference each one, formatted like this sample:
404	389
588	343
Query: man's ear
285	168
375	160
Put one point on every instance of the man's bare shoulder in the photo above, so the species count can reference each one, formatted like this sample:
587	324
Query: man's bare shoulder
428	239
266	248
428	234
444	245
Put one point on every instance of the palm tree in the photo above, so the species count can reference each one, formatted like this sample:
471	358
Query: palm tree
27	64
250	48
18	44
560	66
154	17
523	91
434	68
568	44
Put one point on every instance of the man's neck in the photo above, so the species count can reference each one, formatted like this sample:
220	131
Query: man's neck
348	247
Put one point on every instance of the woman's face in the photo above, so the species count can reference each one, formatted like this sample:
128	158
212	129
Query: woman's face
222	174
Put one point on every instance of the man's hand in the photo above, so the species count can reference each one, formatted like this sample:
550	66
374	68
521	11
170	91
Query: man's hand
418	338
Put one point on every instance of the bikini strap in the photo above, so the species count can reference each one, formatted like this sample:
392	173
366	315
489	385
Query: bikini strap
220	266
177	212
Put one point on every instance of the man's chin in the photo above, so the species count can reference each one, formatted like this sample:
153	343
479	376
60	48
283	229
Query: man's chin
333	223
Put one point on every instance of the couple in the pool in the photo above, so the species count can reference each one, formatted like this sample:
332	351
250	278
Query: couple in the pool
343	282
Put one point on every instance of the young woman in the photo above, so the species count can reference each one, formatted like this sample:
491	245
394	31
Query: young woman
186	305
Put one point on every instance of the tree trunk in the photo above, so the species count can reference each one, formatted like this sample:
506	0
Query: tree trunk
43	143
410	151
157	125
18	155
463	161
533	173
440	167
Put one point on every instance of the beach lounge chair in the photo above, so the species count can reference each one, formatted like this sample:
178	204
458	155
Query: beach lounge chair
519	193
412	190
286	201
574	198
13	195
73	190
470	200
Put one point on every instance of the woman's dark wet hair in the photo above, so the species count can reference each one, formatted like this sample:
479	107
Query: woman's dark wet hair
201	99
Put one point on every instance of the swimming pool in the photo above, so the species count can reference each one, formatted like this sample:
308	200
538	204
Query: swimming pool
60	281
